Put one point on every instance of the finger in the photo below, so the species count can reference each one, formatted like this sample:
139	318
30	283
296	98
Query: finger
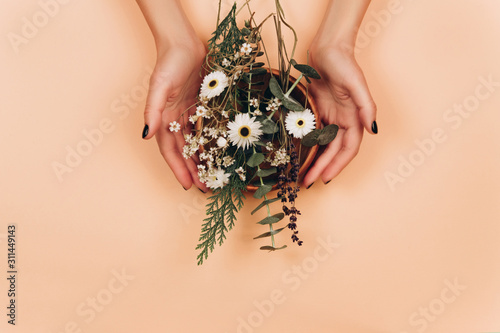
363	100
155	104
324	159
351	142
167	143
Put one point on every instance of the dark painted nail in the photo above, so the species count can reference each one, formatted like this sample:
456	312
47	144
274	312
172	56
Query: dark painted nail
145	131
185	189
328	182
202	191
309	186
374	127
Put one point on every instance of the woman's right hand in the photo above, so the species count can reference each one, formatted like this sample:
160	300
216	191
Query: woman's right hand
173	89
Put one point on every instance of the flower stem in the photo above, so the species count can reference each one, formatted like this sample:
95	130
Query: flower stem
294	85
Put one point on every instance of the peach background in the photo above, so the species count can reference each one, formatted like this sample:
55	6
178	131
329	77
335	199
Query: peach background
396	249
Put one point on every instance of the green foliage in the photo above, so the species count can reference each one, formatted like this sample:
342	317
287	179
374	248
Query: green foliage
227	38
221	215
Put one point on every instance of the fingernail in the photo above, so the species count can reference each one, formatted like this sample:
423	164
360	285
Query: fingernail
309	186
328	182
202	191
185	189
374	127
145	131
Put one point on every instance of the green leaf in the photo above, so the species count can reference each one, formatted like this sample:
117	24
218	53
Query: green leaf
266	172
258	64
270	233
270	248
275	88
291	104
255	160
293	62
311	139
262	190
269	126
245	31
328	134
258	71
272	219
308	71
264	203
259	143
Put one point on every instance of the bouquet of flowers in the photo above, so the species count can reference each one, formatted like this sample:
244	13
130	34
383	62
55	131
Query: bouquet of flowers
254	129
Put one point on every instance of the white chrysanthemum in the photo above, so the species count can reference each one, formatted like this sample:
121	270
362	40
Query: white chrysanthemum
244	131
246	48
217	178
175	126
213	84
226	62
300	123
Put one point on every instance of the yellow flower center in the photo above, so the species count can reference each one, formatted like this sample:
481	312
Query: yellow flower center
213	83
300	123
245	131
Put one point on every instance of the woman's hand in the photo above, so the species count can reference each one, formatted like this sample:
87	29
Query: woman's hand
174	85
343	98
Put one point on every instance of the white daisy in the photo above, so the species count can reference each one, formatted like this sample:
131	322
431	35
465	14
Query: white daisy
217	178
213	84
300	123
244	131
175	126
226	62
246	48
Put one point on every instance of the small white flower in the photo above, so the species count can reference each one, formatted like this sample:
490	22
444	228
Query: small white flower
228	161
272	107
225	114
236	76
221	142
254	102
241	173
213	84
246	48
280	157
217	178
300	123
175	126
276	101
201	111
257	112
269	146
226	62
193	119
244	131
236	55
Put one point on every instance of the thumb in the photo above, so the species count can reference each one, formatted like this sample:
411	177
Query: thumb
155	104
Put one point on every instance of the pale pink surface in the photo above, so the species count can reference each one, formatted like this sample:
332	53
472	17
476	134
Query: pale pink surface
397	246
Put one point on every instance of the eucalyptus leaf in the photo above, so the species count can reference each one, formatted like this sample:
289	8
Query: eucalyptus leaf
275	88
255	160
258	64
258	71
270	248
259	143
270	233
269	126
311	139
291	104
308	71
264	203
328	134
266	172
262	190
272	219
